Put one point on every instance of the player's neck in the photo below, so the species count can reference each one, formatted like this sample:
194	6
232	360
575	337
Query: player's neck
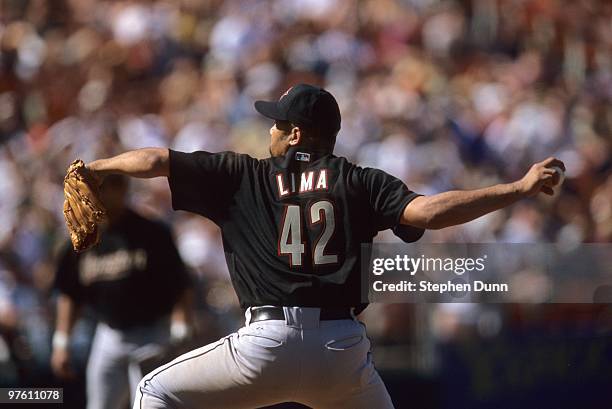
314	152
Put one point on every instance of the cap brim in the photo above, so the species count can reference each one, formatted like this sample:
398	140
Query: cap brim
269	110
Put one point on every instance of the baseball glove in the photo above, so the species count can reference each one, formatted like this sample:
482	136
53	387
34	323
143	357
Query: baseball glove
83	209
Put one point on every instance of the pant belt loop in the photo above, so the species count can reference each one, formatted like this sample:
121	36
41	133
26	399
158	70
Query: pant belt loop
247	315
292	318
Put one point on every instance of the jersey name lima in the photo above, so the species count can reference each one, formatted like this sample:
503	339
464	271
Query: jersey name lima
308	181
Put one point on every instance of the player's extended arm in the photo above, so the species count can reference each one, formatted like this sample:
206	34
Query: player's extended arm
457	207
140	163
67	313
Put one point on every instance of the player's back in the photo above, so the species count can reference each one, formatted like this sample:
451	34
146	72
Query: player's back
292	226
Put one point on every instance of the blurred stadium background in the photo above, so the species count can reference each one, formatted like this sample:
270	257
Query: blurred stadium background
444	94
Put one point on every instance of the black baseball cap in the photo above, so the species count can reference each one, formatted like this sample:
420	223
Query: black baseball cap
304	105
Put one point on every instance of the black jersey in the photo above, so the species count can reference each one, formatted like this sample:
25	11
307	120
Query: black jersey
292	226
133	277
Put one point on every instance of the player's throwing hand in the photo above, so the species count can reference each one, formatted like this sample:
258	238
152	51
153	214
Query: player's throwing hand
60	363
541	177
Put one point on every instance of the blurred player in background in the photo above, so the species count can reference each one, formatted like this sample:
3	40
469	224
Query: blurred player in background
136	283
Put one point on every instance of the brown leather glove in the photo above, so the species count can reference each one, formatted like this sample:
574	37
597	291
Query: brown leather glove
83	209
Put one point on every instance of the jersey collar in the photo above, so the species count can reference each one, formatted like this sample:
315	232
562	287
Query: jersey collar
298	155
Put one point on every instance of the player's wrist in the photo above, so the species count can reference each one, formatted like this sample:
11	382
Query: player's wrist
96	173
179	330
520	188
61	340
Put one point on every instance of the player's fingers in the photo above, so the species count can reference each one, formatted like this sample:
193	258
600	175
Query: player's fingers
66	370
552	162
547	190
558	164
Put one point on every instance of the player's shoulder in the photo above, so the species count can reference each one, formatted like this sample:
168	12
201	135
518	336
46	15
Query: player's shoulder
230	158
365	178
247	159
344	162
351	169
370	171
236	156
241	162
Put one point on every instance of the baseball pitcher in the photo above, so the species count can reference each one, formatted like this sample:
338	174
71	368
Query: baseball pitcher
292	228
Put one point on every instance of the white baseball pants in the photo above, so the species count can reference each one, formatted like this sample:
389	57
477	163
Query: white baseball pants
322	364
112	370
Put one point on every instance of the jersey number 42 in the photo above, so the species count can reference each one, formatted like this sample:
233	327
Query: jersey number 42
290	241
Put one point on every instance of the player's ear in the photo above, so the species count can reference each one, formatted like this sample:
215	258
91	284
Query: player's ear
296	136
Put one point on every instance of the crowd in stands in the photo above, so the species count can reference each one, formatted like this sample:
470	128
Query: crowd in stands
443	94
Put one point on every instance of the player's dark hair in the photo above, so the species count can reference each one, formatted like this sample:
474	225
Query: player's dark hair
318	138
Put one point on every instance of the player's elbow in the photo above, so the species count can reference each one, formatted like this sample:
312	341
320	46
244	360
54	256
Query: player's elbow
435	219
436	223
431	221
422	212
157	160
